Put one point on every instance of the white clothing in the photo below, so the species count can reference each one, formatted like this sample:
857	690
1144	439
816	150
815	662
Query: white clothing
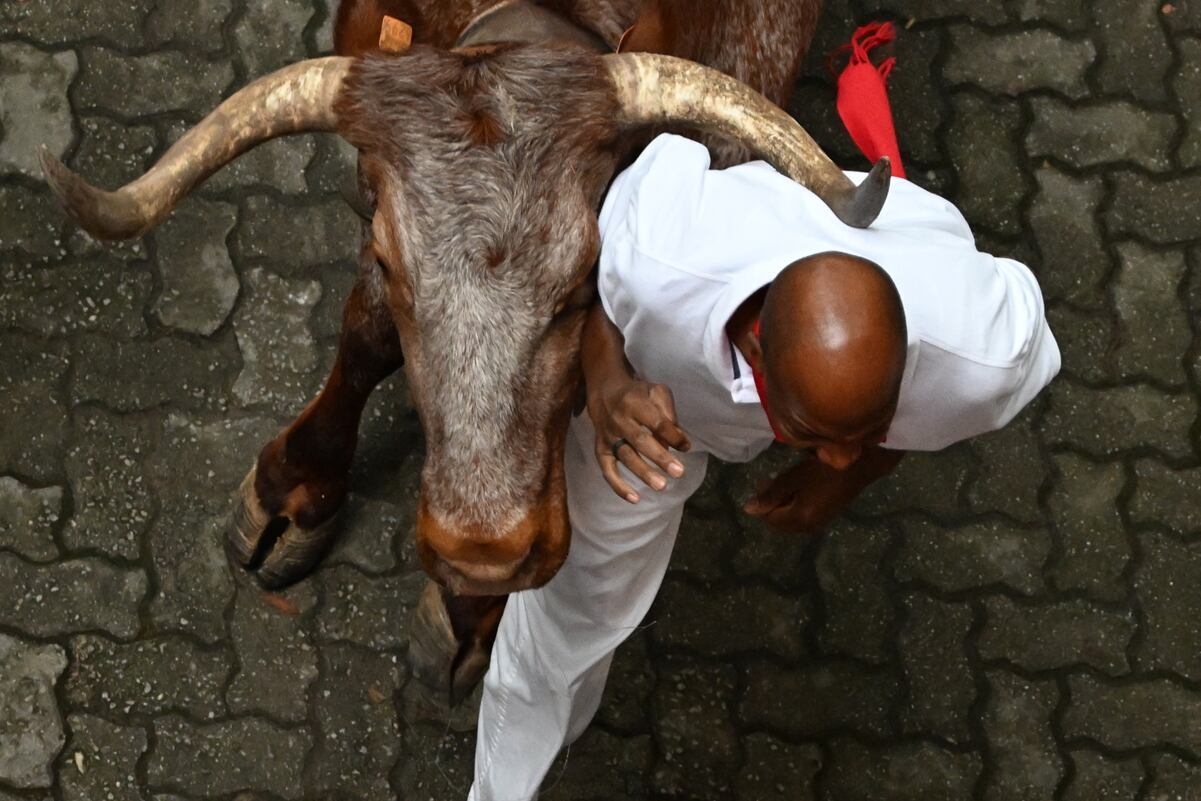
683	247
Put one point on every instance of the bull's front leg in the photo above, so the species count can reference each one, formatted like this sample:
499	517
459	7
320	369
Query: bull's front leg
450	644
281	524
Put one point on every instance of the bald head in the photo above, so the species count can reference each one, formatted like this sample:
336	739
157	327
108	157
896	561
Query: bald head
832	332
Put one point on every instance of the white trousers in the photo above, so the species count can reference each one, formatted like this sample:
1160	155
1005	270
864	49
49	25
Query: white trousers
556	643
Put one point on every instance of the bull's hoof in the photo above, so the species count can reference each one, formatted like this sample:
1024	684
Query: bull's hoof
445	669
276	550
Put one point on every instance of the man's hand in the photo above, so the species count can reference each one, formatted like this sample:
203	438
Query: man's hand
635	424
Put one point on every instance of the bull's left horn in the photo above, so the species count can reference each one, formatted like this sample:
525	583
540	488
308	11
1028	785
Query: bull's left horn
295	99
657	90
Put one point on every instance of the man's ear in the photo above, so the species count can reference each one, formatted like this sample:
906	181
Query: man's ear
754	349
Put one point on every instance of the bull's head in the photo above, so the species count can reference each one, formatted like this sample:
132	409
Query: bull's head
485	169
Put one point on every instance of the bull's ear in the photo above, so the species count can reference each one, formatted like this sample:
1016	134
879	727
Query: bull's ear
663	90
295	99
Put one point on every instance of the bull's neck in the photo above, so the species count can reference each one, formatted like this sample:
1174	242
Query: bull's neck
525	21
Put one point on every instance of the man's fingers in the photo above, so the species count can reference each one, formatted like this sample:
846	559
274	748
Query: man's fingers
634	462
650	448
608	466
672	435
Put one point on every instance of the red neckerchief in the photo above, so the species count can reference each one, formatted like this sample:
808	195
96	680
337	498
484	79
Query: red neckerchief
762	388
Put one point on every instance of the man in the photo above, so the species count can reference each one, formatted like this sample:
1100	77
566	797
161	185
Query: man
863	343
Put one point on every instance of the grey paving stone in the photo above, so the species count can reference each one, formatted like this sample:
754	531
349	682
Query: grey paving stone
852	575
695	731
916	101
1086	343
137	375
1051	636
927	482
1100	779
1170	597
279	164
988	163
1113	131
1011	470
1017	723
626	704
941	685
445	769
33	105
721	622
277	663
65	21
199	285
269	36
360	738
296	238
71	596
368	533
278	351
1106	422
28	517
80	296
219	758
1136	49
148	677
192	24
1154	326
31	377
1159	210
111	154
1133	715
110	494
1094	547
32	222
1063	217
774	769
816	699
1012	63
977	555
100	760
167	81
352	602
1173	780
1186	83
31	726
1071	15
1166	496
922	10
703	545
600	766
902	772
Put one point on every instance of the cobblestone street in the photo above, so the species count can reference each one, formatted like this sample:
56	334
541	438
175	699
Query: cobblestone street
1013	619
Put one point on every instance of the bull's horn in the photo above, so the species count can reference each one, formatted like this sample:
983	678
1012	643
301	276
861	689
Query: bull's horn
656	90
292	100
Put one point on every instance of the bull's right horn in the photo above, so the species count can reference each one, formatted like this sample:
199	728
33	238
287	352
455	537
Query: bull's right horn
295	99
659	90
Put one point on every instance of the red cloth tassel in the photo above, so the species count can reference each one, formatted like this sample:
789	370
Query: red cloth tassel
863	97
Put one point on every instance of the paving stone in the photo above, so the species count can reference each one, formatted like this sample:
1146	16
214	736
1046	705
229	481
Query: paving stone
111	154
1011	470
1100	779
1094	548
185	374
941	686
218	758
296	238
852	576
1186	83
1012	63
917	101
28	517
1149	713
167	81
32	222
270	36
33	106
989	165
31	376
199	285
367	532
902	772
1166	496
65	21
110	494
82	296
704	545
192	24
101	760
922	10
694	730
1155	332
1173	780
1136	51
352	604
1159	210
1063	217
599	767
1106	422
278	351
1170	598
147	677
277	663
1051	636
31	726
1087	341
279	164
360	738
1071	15
1084	136
66	597
976	555
816	699
445	769
1184	15
626	704
1026	765
718	622
777	770
927	482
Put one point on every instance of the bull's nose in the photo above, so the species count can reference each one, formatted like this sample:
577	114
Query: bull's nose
488	571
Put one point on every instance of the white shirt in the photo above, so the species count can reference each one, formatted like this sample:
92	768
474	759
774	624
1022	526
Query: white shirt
684	246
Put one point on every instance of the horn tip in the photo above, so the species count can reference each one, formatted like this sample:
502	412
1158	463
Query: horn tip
83	202
867	199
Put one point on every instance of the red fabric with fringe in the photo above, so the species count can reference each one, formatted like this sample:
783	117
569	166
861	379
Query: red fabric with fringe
863	97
